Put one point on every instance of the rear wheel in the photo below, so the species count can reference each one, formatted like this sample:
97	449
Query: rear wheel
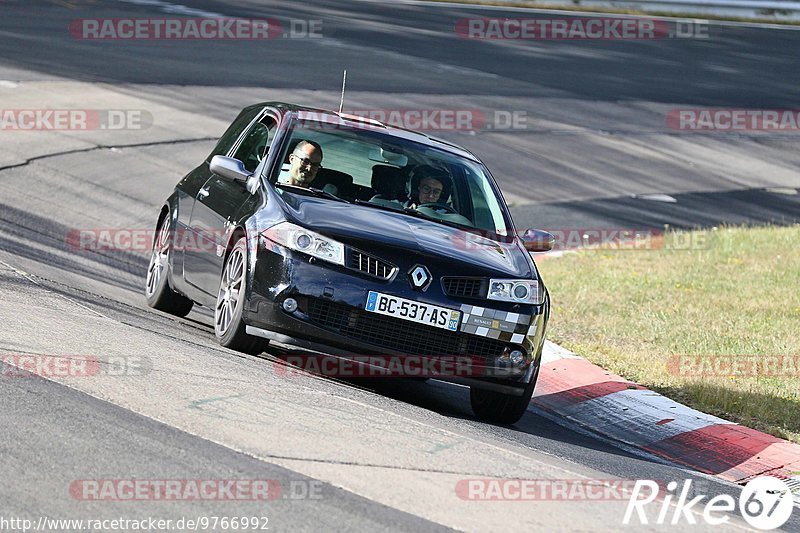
229	327
157	290
500	408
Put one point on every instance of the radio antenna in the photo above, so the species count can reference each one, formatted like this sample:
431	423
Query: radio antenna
344	83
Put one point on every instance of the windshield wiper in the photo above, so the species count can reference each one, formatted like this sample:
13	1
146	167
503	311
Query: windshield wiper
381	206
311	191
414	213
328	194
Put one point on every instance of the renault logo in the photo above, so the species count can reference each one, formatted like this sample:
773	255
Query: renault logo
420	277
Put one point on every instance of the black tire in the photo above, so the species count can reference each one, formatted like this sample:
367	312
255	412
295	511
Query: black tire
157	291
229	328
499	408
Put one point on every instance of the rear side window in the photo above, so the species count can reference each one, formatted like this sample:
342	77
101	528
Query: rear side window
228	138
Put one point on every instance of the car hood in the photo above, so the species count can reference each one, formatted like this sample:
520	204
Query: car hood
372	230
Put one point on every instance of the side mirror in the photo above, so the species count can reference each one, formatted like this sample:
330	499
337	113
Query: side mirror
536	240
229	168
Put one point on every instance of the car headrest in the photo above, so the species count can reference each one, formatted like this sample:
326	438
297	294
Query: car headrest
325	176
389	182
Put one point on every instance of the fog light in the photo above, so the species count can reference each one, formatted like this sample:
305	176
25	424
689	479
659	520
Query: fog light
290	305
521	291
304	241
517	358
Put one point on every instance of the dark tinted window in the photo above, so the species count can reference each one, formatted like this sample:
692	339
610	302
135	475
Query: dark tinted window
256	143
236	128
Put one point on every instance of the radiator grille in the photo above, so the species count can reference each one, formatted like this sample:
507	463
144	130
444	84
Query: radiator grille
370	265
465	287
397	334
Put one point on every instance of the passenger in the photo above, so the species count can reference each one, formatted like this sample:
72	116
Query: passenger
305	160
428	185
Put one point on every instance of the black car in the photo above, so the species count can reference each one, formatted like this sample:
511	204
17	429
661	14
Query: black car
357	263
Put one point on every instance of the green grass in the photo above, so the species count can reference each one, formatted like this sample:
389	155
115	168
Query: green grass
736	294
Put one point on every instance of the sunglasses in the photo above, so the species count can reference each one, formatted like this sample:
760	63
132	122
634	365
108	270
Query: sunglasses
307	162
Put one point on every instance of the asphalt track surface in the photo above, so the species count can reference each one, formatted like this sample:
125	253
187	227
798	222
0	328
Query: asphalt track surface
383	455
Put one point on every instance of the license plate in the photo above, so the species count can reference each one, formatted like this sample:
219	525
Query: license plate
430	315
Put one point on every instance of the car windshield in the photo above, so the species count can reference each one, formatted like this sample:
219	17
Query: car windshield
367	166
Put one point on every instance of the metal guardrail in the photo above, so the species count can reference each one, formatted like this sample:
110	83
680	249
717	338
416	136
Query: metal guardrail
767	10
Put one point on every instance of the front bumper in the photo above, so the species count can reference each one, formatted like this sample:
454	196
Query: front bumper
330	318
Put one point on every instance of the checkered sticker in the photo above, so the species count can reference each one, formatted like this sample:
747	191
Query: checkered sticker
500	325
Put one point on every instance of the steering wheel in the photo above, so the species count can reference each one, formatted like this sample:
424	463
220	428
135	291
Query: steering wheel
439	207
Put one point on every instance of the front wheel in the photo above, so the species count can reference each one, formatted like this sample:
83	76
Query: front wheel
229	328
157	290
500	408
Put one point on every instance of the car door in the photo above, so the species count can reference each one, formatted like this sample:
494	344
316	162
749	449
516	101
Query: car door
216	204
190	185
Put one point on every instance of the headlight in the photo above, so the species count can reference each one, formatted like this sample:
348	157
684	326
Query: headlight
302	240
515	290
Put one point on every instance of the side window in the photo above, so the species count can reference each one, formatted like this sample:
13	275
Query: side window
234	130
256	143
485	207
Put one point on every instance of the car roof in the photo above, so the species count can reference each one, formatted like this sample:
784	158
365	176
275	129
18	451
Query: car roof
329	116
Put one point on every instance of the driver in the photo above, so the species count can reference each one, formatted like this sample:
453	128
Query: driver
306	160
428	185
